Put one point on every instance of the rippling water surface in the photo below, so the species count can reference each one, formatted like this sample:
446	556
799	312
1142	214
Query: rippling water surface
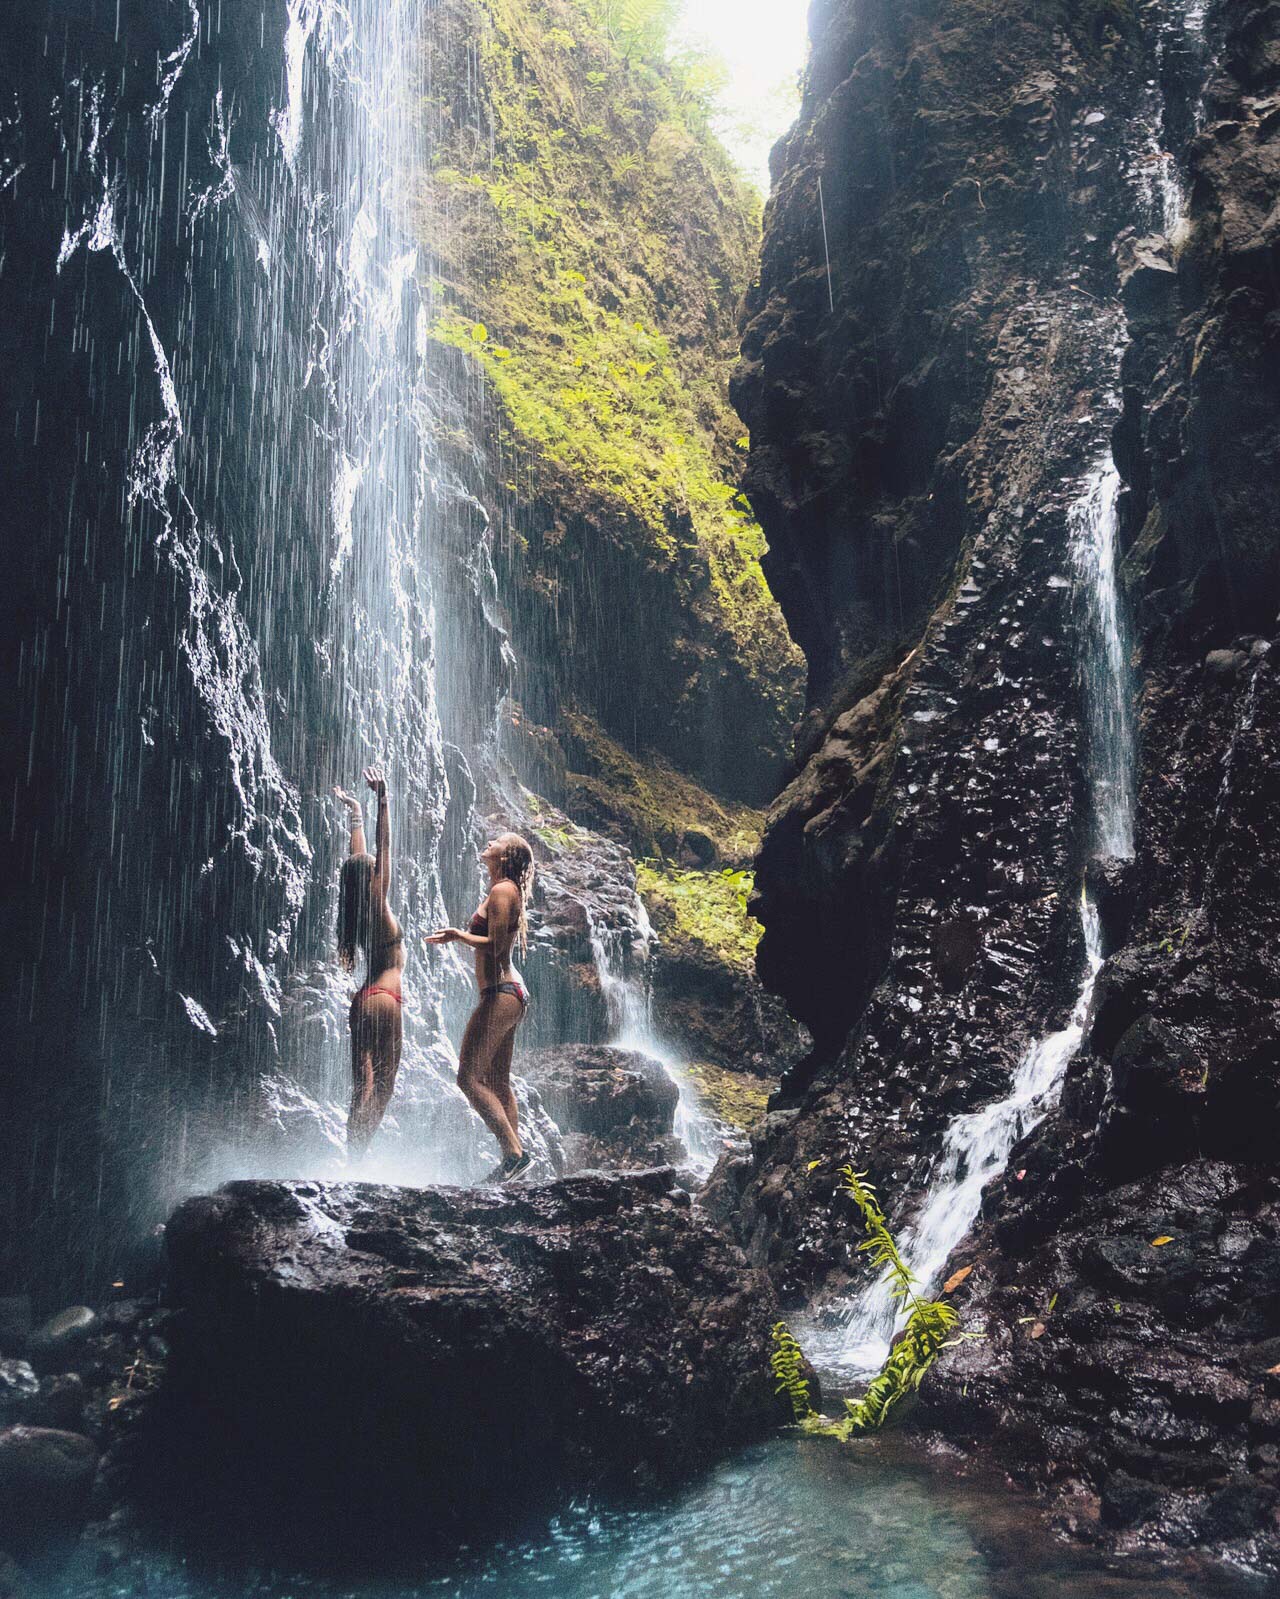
785	1519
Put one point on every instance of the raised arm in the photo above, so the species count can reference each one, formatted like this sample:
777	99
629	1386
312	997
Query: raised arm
382	862
355	820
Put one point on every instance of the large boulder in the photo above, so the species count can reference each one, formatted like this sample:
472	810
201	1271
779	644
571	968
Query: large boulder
45	1479
615	1107
359	1364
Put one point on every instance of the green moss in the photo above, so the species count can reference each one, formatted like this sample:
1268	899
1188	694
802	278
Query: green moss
735	1097
704	908
652	805
604	250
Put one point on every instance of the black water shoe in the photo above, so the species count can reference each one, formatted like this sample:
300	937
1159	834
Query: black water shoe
515	1166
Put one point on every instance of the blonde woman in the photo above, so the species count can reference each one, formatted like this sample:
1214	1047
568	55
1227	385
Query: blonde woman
484	1057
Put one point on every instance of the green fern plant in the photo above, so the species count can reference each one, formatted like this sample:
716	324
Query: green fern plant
787	1361
927	1333
928	1326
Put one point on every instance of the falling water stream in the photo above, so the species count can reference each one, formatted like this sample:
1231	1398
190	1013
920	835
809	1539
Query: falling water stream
976	1145
285	444
624	978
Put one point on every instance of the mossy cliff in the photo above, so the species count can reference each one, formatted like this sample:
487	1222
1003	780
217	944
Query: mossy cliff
591	246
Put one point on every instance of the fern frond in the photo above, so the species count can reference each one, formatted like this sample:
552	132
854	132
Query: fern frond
787	1361
927	1329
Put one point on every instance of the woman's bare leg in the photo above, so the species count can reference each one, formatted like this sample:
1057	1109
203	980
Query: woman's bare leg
388	1040
358	1130
500	1079
376	1037
492	1022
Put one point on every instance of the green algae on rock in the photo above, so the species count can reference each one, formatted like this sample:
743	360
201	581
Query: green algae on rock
592	244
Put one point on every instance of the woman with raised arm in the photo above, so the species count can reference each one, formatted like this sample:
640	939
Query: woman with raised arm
484	1058
365	922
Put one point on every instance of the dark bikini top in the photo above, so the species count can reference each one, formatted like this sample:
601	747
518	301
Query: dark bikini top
479	924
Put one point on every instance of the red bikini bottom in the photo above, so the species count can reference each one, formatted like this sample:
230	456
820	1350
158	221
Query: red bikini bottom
362	994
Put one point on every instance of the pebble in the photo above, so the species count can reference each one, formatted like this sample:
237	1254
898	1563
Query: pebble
62	1331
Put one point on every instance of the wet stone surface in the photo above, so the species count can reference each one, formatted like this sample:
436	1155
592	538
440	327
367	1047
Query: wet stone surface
349	1353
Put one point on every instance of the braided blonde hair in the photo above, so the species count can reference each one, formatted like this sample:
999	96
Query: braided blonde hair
517	866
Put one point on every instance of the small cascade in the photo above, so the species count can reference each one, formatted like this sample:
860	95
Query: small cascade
977	1144
1180	30
623	967
1104	667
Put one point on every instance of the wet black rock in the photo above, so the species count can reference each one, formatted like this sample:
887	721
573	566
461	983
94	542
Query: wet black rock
919	879
1145	1234
362	1364
62	1401
15	1321
14	1582
52	1340
45	1479
919	436
19	1390
715	1009
616	1106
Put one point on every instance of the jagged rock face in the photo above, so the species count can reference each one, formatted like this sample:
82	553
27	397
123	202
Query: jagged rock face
715	1010
915	882
616	1106
1141	1396
1199	443
1151	1385
366	1366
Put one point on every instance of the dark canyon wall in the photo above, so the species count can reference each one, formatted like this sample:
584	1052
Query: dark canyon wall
915	451
1003	294
1152	1388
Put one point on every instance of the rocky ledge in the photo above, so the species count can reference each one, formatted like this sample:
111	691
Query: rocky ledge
358	1365
615	1107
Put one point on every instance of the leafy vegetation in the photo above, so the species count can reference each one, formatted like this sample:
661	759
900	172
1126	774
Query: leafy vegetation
653	806
591	268
928	1331
737	1098
706	907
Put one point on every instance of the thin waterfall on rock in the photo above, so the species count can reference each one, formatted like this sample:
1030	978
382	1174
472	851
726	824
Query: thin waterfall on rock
1180	32
976	1145
624	980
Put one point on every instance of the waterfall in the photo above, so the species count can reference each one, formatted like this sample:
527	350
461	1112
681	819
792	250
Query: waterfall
273	578
623	968
1180	28
976	1145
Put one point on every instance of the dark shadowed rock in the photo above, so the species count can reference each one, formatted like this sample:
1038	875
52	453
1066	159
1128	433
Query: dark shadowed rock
361	1364
15	1321
616	1107
63	1332
45	1478
14	1583
19	1389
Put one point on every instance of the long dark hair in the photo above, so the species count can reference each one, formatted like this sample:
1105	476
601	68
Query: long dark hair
353	908
516	865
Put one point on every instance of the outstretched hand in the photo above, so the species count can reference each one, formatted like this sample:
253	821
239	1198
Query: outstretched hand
349	800
443	935
373	776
